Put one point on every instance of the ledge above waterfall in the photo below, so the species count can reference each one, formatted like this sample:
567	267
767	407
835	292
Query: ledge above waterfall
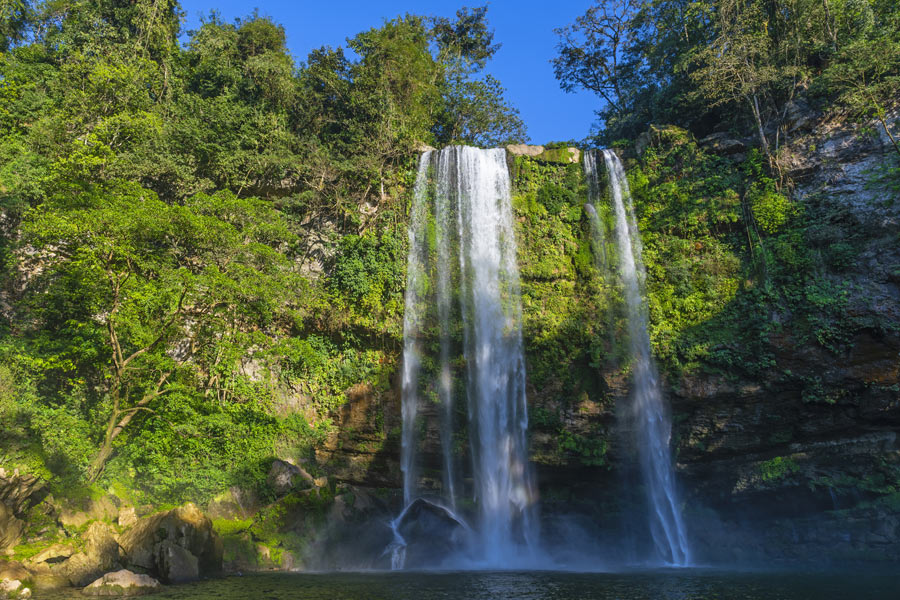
555	155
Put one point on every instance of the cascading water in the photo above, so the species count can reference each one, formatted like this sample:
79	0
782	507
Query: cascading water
462	197
648	411
413	316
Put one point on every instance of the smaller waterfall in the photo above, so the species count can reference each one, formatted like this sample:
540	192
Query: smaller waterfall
647	410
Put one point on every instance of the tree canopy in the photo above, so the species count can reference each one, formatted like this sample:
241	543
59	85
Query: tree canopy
169	200
730	63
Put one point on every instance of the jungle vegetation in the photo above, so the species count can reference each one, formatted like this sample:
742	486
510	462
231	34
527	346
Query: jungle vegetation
195	226
199	229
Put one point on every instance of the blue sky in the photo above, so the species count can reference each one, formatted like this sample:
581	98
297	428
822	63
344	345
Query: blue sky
524	27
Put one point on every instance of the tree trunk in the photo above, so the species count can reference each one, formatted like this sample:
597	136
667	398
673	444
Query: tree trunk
99	462
828	26
763	141
887	130
112	432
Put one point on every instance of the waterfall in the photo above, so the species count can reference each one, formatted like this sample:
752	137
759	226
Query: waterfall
468	308
651	420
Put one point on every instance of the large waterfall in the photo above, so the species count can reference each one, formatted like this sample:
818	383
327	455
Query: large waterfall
463	324
647	411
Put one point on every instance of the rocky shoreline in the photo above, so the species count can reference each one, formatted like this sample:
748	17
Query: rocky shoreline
104	548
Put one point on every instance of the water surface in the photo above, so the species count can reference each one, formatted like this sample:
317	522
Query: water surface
637	585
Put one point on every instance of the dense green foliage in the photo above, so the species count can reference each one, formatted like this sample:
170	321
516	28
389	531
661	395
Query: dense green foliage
721	64
204	242
737	269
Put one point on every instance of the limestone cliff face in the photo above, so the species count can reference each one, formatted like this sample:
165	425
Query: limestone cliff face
809	454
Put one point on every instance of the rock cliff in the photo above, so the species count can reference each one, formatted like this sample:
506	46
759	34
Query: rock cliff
798	461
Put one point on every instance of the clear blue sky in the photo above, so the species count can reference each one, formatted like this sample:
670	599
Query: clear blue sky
523	27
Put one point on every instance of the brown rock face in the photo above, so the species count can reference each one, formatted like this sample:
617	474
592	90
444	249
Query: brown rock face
150	543
11	529
19	491
556	155
365	448
105	508
801	461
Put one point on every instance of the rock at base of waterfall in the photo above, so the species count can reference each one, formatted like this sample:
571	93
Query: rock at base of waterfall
99	555
122	583
10	570
53	554
432	534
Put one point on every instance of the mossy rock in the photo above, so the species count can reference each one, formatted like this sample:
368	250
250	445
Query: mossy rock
564	155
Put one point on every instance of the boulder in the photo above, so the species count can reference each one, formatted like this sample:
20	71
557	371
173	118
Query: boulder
233	503
175	564
11	529
100	554
122	583
432	534
53	554
100	544
13	588
186	527
13	570
284	477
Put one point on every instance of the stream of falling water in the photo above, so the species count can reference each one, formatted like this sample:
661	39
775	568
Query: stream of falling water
462	197
651	421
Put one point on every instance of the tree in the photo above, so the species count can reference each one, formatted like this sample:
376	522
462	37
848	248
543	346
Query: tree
136	294
476	113
474	110
739	66
866	74
14	18
593	52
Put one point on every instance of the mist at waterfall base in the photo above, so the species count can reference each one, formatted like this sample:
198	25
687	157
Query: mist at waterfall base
475	506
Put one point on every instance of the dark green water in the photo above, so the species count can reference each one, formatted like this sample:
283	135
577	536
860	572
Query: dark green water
637	585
